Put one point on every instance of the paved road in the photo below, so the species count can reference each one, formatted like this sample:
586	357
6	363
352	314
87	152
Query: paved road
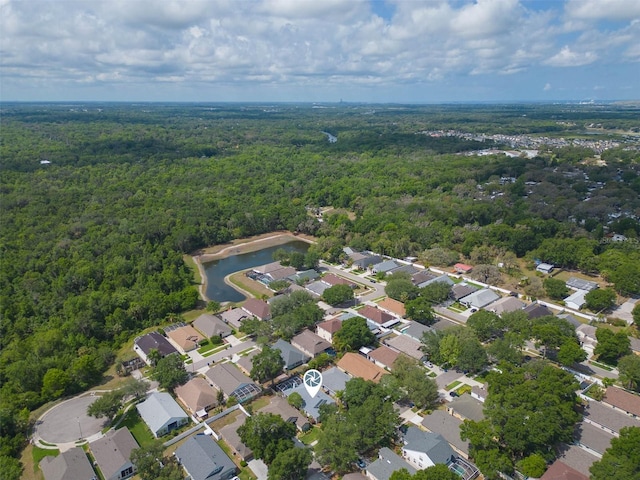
216	357
69	422
377	290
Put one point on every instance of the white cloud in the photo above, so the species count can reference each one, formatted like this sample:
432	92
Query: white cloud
547	87
568	58
623	10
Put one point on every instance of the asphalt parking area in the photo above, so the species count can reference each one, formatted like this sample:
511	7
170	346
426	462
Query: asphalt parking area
69	422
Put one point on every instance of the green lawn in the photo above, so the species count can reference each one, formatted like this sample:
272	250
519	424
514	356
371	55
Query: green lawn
433	375
464	389
137	428
311	436
452	385
39	453
208	346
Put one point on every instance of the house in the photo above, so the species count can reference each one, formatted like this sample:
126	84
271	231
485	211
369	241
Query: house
333	280
461	290
203	459
334	380
416	330
536	310
304	276
198	396
161	413
425	449
465	407
576	300
268	268
623	401
234	316
257	308
70	465
280	406
311	405
245	362
363	260
310	344
422	276
185	338
387	463
449	427
571	319
358	366
317	288
479	394
505	305
227	378
383	357
480	298
592	439
580	284
442	278
384	266
291	355
409	269
578	459
152	341
112	454
328	328
212	326
545	268
377	316
561	471
587	337
394	307
406	345
229	434
462	268
280	274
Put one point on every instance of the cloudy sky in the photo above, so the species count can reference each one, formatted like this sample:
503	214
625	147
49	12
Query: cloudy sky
319	50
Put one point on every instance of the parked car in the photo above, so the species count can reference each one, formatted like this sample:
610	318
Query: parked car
361	464
454	394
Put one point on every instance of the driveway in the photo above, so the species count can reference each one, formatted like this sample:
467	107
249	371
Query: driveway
216	357
69	422
377	290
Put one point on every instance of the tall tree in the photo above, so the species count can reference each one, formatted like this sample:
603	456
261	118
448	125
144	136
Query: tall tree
290	464
170	372
611	346
353	334
153	465
629	368
338	294
267	435
267	364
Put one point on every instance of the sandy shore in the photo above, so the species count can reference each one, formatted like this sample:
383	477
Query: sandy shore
239	246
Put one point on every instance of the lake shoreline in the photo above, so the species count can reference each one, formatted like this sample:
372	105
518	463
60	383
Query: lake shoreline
240	246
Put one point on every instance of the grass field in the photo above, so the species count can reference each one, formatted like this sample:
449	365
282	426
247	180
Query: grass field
452	385
137	428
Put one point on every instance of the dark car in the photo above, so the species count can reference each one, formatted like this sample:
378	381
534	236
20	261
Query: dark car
361	463
454	394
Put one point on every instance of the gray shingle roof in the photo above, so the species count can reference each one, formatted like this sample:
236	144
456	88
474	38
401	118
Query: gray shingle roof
291	355
228	378
432	444
387	463
334	380
212	326
203	459
70	465
481	298
159	410
112	451
154	340
448	426
311	404
468	407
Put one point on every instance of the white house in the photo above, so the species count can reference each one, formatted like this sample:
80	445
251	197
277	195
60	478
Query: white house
545	268
425	449
576	300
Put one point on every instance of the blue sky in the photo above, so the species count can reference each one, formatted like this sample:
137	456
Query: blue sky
406	51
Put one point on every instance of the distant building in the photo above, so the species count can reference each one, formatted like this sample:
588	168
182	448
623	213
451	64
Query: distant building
462	268
545	268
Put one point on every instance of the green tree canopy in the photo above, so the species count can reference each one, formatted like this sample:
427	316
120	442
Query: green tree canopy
153	465
170	372
338	294
611	346
290	464
629	368
600	299
267	364
621	461
555	288
267	435
353	334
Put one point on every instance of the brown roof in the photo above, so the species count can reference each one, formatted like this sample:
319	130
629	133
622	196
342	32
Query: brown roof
331	326
393	306
406	345
561	471
358	366
332	279
310	343
280	406
185	337
197	395
257	308
625	401
375	314
229	434
384	355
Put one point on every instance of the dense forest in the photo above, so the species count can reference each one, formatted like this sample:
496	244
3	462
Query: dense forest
99	202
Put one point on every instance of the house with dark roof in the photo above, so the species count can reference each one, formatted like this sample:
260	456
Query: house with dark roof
161	413
291	355
358	366
383	357
384	266
203	459
364	260
257	308
536	310
152	341
460	290
570	318
198	396
310	344
607	418
480	298
279	406
580	284
332	280
227	378
387	463
425	449
422	277
592	438
212	326
70	465
328	328
112	454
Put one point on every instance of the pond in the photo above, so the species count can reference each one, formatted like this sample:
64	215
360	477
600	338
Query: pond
218	269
